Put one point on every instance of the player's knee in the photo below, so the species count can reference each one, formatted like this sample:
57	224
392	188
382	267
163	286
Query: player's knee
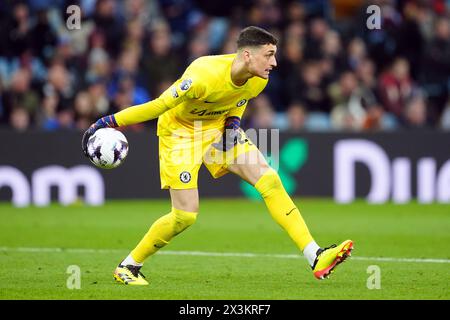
268	183
183	219
264	169
273	180
189	204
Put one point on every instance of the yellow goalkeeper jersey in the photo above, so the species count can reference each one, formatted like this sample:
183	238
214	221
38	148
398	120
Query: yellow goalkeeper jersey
205	92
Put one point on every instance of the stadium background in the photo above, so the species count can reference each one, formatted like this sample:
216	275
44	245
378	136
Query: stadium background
380	96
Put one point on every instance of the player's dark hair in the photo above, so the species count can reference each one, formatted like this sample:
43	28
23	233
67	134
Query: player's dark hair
255	36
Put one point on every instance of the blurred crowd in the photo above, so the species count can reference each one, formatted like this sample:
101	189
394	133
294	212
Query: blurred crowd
334	73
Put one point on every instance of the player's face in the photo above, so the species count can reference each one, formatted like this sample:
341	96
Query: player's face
262	60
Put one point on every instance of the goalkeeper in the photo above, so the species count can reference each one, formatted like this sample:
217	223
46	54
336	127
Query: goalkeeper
199	123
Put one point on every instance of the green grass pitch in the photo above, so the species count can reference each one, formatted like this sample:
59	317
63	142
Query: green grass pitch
234	251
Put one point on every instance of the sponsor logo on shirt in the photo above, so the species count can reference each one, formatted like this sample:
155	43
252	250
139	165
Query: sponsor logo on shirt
209	113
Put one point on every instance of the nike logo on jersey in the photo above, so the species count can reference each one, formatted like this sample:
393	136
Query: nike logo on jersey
290	211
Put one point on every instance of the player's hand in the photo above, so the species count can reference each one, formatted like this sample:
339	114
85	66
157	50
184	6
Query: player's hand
229	139
87	134
105	122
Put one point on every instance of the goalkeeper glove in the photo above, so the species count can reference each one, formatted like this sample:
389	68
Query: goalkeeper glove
230	136
105	122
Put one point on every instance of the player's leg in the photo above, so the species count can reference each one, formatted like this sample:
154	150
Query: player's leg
246	161
163	230
183	214
253	168
185	199
178	174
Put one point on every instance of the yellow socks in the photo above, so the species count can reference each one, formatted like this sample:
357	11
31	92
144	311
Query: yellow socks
161	232
283	209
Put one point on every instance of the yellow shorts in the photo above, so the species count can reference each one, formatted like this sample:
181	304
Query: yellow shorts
181	156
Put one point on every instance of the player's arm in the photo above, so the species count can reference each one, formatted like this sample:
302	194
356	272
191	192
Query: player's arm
184	88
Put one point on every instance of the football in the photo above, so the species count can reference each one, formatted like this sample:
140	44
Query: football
107	148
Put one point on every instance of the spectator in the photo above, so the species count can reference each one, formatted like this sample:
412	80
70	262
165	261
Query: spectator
145	12
415	113
229	45
46	117
262	113
198	47
127	74
295	12
66	118
65	53
20	119
436	69
318	29
160	60
134	37
21	95
108	23
291	57
348	112
271	13
357	52
98	95
43	37
139	94
84	111
18	31
98	59
292	50
332	49
60	83
395	87
365	72
313	92
376	117
409	38
296	115
50	118
182	17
